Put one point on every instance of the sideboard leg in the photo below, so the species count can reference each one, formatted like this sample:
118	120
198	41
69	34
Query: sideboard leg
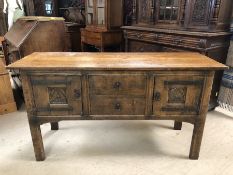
54	126
37	142
177	125
196	140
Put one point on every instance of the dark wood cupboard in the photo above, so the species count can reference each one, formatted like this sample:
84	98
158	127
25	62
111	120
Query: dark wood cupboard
181	25
103	21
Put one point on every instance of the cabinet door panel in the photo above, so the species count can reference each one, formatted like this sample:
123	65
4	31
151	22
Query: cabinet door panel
144	11
200	13
57	95
177	94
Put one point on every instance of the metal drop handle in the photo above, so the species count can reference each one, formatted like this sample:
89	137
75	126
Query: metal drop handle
157	96
77	93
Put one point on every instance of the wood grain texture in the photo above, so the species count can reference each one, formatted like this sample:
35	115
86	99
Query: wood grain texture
7	102
116	61
116	86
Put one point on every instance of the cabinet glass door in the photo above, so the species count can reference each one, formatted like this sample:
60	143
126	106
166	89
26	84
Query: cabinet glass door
90	12
168	10
100	12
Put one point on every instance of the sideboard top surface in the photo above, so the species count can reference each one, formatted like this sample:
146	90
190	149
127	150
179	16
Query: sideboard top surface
116	61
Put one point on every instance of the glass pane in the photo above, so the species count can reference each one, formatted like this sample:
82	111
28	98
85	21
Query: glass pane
161	14
48	7
101	16
167	14
176	3
101	3
90	12
90	18
90	3
162	2
174	14
169	2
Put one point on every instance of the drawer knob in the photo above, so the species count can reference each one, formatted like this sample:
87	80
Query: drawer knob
77	93
157	96
118	106
117	85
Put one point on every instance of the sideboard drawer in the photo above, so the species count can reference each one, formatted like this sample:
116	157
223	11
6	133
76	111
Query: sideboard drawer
57	95
132	85
102	105
177	95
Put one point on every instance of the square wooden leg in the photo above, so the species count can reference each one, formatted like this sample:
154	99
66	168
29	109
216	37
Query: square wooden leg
177	125
54	126
37	141
196	140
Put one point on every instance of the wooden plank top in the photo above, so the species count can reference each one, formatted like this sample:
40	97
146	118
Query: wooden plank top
116	61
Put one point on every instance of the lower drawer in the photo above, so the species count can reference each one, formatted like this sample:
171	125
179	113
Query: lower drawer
102	105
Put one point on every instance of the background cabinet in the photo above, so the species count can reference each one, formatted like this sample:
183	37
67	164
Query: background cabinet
180	25
197	15
103	21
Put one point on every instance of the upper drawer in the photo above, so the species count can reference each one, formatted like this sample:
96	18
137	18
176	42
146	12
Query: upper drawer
170	39
115	84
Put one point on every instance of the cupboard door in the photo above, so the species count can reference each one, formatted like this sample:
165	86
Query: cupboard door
200	13
57	95
145	11
177	94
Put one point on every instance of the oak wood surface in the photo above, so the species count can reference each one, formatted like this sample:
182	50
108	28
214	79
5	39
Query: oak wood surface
117	86
116	61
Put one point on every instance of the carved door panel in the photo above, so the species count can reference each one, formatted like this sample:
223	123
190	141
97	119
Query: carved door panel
57	95
200	13
177	94
145	11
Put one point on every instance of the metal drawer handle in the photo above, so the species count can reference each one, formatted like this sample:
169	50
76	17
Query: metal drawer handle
117	85
77	93
157	96
118	106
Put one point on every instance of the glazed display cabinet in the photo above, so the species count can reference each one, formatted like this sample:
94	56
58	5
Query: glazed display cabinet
180	25
103	21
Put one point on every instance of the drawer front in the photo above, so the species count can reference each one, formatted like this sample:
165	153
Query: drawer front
130	85
57	95
177	95
104	105
139	46
174	40
91	38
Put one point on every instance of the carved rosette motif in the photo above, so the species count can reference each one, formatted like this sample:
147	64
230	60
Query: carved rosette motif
199	11
57	95
177	95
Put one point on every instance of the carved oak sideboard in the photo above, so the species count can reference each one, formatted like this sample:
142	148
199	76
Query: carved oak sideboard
117	86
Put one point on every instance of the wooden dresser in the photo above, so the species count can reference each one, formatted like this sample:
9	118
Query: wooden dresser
117	86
